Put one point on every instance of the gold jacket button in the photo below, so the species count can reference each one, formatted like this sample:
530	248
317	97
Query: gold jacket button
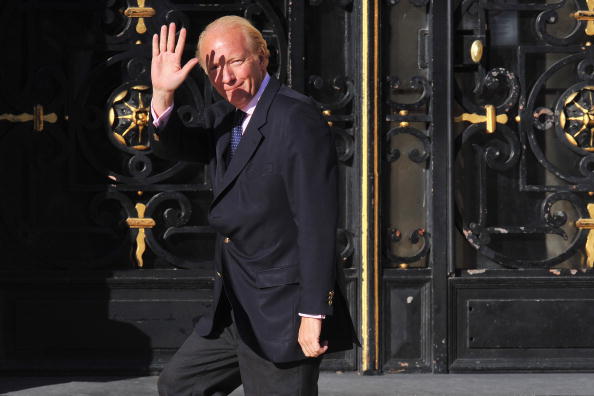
227	240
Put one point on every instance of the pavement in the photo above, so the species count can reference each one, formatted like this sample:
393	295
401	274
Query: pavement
332	384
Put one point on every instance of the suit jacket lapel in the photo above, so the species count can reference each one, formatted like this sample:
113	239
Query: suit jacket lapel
250	140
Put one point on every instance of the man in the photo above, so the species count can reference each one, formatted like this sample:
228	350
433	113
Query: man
277	307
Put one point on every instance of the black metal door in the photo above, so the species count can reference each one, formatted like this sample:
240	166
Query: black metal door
105	255
414	232
523	98
484	156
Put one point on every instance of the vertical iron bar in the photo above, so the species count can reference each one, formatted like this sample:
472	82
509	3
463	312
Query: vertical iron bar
442	178
296	42
369	112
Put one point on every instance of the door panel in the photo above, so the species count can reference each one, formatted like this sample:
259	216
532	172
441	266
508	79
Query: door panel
106	251
412	268
522	284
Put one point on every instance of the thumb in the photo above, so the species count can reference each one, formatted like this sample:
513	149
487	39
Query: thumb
188	66
322	349
323	346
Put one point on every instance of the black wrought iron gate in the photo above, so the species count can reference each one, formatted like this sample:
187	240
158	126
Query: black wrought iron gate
482	164
105	252
464	131
523	286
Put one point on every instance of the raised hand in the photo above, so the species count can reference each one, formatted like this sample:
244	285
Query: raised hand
167	74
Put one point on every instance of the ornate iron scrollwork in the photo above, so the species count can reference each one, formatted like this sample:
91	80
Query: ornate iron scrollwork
128	117
553	130
498	84
549	16
415	155
576	116
480	237
342	90
416	83
417	236
408	127
345	245
571	122
154	223
341	85
112	132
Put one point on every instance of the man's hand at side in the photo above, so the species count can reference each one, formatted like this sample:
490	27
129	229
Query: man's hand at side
309	337
167	74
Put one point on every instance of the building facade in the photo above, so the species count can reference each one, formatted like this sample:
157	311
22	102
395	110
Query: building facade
465	133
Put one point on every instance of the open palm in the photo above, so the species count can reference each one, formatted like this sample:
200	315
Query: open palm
167	74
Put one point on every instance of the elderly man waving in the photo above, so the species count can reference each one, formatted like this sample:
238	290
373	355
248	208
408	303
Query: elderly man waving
277	306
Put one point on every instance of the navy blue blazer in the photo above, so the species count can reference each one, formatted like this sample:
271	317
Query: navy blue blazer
275	212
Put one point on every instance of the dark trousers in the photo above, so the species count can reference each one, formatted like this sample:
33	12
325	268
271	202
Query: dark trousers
216	366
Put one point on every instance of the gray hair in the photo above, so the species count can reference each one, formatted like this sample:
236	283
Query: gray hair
252	35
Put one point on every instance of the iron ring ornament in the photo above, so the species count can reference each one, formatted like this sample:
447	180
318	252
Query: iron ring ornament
572	126
128	117
499	85
574	116
112	132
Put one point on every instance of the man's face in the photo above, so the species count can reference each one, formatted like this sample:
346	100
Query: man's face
232	67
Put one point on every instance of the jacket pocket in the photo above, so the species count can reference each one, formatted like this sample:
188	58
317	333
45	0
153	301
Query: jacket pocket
277	277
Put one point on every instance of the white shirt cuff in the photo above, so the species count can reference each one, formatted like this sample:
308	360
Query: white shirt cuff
161	121
312	316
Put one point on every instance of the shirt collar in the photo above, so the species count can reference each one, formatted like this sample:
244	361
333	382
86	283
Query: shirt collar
251	106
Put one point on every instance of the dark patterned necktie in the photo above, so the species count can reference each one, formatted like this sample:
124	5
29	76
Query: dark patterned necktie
236	132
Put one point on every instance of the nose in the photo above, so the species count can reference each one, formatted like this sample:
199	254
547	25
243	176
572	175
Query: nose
228	75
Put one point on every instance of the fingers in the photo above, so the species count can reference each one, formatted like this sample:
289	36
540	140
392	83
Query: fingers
188	66
308	349
171	38
155	45
312	348
163	39
208	61
181	41
309	336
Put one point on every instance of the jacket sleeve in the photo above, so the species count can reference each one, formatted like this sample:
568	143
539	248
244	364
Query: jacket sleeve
179	142
311	180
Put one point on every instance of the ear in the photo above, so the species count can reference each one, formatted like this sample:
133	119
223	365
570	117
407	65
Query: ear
263	61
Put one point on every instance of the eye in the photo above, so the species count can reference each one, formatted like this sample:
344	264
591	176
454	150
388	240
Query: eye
237	62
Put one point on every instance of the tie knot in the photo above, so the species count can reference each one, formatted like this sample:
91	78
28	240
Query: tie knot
239	117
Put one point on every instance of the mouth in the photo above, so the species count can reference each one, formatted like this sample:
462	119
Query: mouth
232	88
